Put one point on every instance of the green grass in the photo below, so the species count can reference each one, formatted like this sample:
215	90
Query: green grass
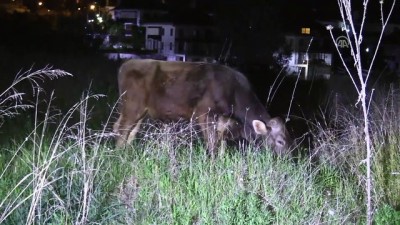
342	146
63	172
63	169
173	185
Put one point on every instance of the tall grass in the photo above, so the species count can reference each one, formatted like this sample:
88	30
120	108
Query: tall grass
11	103
341	145
44	158
169	184
64	172
71	176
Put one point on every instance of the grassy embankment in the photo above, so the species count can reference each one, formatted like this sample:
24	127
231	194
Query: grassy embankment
61	169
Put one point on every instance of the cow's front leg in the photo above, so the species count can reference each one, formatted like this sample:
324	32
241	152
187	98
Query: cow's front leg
209	131
122	128
126	130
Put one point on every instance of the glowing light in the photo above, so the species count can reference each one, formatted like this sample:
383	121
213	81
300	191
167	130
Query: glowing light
305	30
367	50
92	7
40	3
79	9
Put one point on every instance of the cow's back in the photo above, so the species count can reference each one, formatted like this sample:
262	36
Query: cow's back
177	89
134	71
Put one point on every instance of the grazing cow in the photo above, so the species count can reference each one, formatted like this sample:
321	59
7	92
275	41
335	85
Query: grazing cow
215	96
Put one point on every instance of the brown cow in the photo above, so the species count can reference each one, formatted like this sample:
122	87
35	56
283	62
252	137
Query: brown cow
215	96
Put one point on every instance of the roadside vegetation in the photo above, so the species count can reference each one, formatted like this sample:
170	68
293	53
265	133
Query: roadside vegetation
62	168
58	163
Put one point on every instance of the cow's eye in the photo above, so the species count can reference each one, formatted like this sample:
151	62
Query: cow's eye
280	142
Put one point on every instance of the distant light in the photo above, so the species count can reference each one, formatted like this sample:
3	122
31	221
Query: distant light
79	9
40	3
306	30
367	50
92	7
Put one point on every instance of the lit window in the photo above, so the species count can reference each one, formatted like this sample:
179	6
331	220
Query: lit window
128	29
305	30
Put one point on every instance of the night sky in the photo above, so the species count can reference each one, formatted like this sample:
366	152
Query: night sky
230	14
257	27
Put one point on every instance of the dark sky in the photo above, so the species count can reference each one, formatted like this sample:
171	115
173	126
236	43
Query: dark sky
322	9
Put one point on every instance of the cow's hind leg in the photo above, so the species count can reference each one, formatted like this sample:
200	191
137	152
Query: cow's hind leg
224	125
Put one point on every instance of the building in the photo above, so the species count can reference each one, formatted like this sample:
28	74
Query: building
185	35
307	54
183	42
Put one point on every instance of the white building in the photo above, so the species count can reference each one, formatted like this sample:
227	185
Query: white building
173	37
160	37
305	56
181	42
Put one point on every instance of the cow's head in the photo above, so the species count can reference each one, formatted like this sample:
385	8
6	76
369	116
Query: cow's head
275	134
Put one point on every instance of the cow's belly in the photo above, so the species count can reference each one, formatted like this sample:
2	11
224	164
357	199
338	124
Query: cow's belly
169	111
184	106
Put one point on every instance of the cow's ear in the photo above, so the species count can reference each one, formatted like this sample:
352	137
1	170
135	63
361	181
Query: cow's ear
260	127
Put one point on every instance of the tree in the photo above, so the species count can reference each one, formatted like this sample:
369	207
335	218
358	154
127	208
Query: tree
355	36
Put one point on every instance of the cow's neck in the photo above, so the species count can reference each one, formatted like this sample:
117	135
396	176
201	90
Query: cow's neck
249	108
